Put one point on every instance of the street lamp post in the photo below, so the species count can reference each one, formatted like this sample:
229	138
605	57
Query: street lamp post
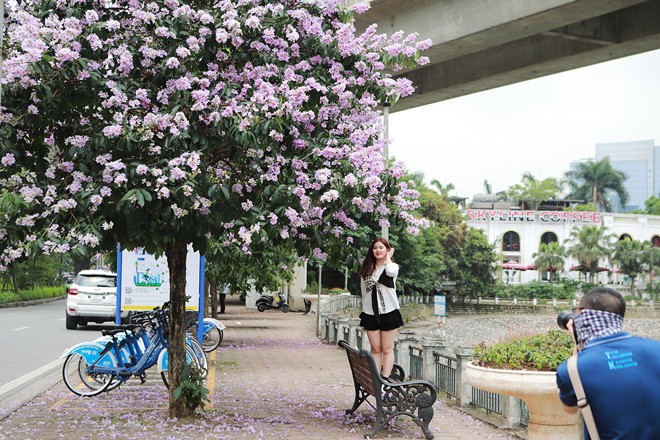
389	101
385	230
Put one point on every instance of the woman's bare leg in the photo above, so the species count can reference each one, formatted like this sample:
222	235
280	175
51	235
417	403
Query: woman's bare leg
376	350
387	339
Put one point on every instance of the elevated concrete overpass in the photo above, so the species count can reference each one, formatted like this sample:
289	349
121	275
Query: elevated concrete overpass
483	44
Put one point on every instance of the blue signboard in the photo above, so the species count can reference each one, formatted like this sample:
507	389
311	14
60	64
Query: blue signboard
440	305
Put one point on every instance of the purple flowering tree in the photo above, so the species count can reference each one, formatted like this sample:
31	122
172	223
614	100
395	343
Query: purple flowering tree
162	123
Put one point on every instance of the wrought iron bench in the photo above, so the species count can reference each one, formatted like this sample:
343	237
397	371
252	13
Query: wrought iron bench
394	396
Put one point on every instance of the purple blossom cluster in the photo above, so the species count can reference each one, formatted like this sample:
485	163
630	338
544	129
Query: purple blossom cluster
257	121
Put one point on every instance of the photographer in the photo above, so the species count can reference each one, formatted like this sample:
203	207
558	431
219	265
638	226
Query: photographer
620	373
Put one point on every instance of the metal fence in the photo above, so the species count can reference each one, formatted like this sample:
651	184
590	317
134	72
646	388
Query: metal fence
491	402
445	373
416	363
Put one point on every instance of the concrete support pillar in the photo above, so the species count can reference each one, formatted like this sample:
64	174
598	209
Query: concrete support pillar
332	327
325	330
463	389
364	339
402	345
429	345
353	325
342	329
295	289
511	411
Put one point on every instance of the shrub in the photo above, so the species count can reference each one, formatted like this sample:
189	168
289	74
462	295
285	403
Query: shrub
192	388
535	289
32	294
541	352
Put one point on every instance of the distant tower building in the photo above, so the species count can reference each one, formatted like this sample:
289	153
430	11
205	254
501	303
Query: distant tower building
640	160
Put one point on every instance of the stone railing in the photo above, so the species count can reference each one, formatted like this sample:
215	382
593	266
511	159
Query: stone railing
488	306
425	357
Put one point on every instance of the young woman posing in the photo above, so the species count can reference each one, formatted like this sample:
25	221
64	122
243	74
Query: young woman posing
380	315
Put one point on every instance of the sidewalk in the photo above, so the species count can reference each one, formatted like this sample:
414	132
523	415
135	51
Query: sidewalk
271	378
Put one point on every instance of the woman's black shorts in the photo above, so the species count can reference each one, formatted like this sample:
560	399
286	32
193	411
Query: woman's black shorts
388	321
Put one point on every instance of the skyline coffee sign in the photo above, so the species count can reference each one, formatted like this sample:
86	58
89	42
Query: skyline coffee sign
505	215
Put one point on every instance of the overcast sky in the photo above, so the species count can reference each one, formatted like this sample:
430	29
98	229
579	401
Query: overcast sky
539	126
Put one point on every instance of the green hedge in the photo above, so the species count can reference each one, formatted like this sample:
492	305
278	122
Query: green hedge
536	289
32	294
542	352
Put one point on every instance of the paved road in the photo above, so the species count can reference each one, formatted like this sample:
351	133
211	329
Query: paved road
33	336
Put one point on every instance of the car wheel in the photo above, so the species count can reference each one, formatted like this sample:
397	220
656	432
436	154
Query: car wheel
71	322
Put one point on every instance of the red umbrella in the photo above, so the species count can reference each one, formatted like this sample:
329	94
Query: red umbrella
550	269
583	268
512	265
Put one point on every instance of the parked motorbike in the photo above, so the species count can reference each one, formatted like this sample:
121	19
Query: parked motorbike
267	302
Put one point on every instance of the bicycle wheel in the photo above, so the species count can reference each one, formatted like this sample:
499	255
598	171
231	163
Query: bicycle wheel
191	357
82	382
212	339
200	355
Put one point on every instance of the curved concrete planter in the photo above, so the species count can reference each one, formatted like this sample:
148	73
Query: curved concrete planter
538	389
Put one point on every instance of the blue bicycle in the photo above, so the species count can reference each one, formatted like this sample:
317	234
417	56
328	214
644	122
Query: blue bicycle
130	350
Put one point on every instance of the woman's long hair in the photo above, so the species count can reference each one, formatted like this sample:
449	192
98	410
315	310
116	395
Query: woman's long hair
369	263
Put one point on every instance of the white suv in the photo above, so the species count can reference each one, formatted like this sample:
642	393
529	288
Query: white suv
92	298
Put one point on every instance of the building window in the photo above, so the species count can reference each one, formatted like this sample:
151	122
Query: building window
625	237
511	242
549	237
655	240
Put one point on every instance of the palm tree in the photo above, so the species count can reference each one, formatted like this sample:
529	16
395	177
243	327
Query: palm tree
550	258
588	245
443	189
488	188
592	179
628	255
531	191
651	259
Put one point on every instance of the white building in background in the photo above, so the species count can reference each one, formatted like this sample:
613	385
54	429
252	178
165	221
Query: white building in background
517	234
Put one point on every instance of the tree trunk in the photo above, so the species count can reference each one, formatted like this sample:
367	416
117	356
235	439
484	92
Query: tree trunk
176	262
34	272
213	293
594	195
14	278
632	286
81	263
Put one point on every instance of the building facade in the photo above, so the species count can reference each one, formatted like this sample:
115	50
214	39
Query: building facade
517	234
640	161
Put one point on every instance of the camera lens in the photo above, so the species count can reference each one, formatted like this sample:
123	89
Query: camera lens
563	318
